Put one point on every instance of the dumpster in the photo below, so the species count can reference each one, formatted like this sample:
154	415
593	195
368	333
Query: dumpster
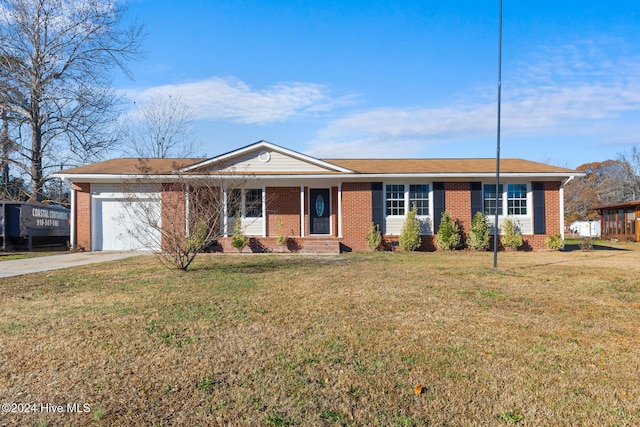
24	225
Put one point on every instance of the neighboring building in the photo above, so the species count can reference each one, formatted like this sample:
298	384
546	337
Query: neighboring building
589	228
620	221
327	204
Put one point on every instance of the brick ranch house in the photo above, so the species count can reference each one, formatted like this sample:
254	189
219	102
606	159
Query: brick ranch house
330	204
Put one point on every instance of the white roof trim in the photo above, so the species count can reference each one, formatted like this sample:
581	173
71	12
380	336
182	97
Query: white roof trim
274	147
340	176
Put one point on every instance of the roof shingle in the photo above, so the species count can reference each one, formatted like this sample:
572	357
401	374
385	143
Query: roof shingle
134	166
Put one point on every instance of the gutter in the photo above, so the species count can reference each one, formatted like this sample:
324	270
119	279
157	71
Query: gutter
342	176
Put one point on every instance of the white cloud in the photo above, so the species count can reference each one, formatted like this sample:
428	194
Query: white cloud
233	100
576	90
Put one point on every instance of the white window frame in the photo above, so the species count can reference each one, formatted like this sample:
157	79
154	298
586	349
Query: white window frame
392	222
428	199
404	199
499	197
243	202
526	199
505	200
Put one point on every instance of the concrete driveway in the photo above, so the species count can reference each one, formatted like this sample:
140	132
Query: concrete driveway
19	267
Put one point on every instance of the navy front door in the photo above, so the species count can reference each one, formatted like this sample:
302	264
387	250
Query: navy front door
319	211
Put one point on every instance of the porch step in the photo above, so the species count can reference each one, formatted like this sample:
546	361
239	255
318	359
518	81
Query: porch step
320	246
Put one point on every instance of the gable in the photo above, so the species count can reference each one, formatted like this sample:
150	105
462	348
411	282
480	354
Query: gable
260	161
264	157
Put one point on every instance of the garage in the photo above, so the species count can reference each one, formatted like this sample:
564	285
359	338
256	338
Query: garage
123	223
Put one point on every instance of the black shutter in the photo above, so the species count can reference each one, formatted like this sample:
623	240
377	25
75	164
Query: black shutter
539	224
438	204
377	205
476	198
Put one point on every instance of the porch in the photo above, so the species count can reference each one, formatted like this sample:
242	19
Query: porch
303	245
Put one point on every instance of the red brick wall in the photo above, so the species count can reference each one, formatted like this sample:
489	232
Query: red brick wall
356	214
457	201
173	213
552	207
283	205
552	217
82	216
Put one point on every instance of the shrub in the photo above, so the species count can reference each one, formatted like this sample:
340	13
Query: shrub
238	240
374	238
480	232
586	243
281	237
554	242
511	236
448	237
197	236
410	235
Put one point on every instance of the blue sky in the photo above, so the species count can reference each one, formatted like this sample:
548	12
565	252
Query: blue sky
399	78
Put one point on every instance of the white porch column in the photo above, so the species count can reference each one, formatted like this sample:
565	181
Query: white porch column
562	211
339	209
225	218
264	211
302	211
186	210
72	225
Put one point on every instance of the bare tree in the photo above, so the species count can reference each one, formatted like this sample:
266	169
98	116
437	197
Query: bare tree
5	150
159	127
55	63
185	216
605	183
629	177
7	146
596	188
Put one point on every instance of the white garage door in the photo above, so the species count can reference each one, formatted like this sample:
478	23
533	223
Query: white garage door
122	225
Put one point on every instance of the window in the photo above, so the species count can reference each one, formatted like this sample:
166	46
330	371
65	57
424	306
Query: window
620	221
631	221
516	199
491	200
395	199
419	197
608	222
247	202
234	202
253	203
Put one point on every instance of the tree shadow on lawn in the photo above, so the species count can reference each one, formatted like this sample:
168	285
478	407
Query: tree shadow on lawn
264	264
603	246
605	249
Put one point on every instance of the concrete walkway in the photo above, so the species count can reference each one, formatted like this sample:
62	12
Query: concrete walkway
18	267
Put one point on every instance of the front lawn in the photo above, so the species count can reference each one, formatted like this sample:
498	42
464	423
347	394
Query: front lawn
551	338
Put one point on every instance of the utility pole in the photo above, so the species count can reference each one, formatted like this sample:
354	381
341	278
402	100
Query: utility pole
495	225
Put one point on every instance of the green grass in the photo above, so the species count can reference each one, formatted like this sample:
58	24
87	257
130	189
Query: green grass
551	338
9	256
